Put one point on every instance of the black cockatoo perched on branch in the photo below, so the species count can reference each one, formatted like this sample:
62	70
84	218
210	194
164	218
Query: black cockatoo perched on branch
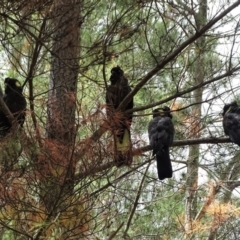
120	122
16	103
231	122
161	134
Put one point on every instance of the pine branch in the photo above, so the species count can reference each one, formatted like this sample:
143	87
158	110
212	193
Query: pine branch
139	151
181	93
174	54
210	140
211	196
113	234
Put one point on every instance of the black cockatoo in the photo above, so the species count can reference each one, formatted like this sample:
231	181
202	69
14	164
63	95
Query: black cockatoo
16	103
161	133
231	122
120	122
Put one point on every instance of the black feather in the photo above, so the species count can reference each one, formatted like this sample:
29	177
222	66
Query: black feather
16	103
120	123
231	122
161	134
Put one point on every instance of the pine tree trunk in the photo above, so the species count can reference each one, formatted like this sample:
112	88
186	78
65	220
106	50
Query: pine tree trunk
57	160
64	72
195	127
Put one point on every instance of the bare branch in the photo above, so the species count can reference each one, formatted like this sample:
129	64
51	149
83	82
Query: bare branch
210	198
175	53
181	93
178	143
7	112
92	170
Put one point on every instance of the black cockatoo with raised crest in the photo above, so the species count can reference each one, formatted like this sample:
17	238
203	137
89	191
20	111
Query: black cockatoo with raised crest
161	133
120	122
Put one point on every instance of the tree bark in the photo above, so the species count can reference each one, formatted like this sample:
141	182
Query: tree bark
64	72
56	162
195	126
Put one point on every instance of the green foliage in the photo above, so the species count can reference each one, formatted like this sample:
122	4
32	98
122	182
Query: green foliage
138	36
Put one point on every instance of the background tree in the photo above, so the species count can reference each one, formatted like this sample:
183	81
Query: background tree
64	183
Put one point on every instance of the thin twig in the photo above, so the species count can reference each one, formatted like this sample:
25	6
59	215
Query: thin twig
113	234
136	200
29	78
134	169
